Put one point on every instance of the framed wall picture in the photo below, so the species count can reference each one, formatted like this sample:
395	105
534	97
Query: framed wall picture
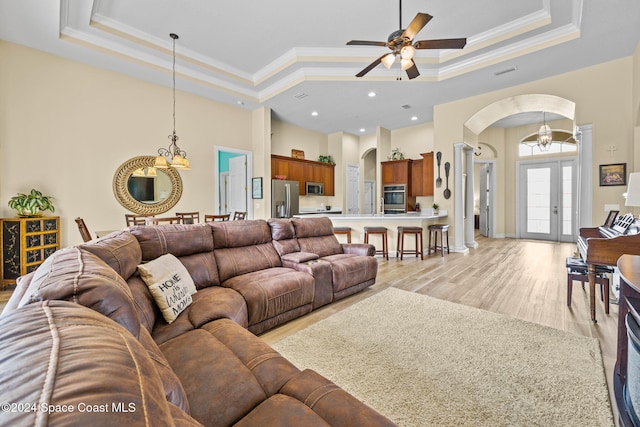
615	174
256	188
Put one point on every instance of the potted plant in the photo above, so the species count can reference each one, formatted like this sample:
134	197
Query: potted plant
435	207
326	159
32	204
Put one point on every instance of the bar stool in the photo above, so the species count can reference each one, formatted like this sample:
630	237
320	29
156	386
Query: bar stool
417	233
343	230
577	270
434	230
382	231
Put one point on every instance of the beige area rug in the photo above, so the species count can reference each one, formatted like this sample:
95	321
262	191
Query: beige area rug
421	361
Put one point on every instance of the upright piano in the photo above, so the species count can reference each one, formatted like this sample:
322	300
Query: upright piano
603	246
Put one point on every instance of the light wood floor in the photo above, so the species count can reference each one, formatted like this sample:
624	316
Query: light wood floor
525	279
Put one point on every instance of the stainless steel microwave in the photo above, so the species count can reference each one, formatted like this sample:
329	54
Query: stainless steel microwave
314	188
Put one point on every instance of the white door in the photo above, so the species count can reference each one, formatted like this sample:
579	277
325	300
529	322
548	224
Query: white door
547	200
484	207
369	197
353	194
237	195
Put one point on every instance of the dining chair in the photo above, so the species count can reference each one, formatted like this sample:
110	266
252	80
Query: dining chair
189	217
209	218
84	231
165	220
239	215
135	219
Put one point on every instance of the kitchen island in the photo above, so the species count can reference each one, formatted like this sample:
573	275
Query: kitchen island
357	222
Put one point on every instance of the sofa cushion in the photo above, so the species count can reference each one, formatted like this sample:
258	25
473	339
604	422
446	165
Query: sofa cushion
351	270
166	267
208	305
243	247
59	353
284	236
192	244
76	275
273	291
120	250
315	235
173	389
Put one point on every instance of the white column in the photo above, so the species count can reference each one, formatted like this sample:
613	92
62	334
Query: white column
469	232
458	220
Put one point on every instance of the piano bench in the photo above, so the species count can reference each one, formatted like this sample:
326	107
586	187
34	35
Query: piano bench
577	270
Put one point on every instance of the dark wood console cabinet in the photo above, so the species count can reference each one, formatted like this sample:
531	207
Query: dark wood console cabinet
304	171
629	266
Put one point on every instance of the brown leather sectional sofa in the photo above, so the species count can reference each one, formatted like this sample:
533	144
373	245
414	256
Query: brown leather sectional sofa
83	342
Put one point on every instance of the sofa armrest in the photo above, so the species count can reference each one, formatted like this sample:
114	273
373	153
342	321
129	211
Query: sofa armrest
299	257
333	404
358	249
322	277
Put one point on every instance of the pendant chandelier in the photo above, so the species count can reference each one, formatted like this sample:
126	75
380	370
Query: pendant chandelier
544	135
173	156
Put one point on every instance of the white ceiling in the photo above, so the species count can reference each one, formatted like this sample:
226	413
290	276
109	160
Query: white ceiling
290	55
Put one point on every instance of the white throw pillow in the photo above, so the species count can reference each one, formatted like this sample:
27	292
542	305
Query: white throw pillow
172	296
170	284
165	266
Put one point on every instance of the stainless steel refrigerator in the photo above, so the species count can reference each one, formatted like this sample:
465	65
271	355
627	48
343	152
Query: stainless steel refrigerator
284	198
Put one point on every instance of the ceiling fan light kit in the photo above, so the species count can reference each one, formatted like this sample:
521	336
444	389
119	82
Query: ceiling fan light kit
401	43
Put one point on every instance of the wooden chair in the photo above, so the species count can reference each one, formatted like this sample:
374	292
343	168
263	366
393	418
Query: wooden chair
84	231
189	217
165	220
135	219
209	218
239	215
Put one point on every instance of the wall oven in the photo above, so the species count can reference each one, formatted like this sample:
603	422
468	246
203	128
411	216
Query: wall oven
395	198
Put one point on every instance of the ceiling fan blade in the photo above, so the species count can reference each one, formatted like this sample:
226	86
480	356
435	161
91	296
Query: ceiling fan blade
416	25
365	43
441	44
412	71
371	66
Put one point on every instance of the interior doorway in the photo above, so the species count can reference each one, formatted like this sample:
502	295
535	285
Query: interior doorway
233	171
353	189
486	197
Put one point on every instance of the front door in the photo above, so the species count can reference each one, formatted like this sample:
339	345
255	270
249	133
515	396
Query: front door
547	200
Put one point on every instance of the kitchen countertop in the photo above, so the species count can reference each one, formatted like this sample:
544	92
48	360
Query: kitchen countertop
411	216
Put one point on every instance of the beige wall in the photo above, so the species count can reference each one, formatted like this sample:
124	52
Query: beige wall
66	127
602	94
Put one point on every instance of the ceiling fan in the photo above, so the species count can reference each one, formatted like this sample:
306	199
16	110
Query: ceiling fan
401	43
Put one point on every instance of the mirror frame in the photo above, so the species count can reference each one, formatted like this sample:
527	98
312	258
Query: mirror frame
121	190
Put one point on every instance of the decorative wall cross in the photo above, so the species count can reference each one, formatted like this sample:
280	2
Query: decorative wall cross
611	150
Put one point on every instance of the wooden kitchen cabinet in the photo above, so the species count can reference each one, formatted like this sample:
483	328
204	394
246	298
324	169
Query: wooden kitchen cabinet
304	171
427	174
396	172
417	179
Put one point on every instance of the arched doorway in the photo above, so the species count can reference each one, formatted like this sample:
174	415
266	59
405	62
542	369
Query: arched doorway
464	153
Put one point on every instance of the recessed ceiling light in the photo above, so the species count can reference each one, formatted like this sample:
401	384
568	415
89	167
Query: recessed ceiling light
372	94
314	113
414	118
361	129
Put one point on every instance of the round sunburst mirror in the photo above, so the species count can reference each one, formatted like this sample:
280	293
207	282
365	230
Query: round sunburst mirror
145	190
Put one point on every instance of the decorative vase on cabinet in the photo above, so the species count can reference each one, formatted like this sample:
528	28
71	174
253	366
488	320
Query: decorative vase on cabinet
26	243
